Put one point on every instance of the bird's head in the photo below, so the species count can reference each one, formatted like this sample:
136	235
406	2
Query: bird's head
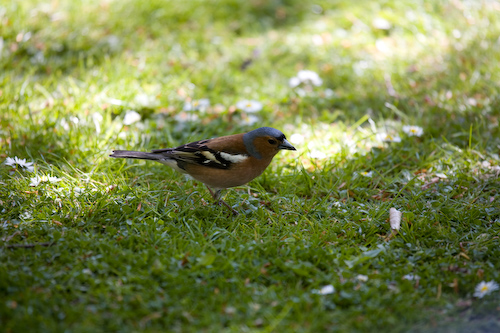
265	142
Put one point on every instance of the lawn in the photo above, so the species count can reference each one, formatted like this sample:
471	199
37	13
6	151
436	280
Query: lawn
89	243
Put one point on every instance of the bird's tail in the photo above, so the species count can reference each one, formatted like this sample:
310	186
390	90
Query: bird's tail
135	154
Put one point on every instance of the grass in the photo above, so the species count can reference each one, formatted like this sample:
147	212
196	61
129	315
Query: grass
133	246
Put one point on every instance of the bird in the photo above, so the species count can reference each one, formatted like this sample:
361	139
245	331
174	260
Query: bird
222	162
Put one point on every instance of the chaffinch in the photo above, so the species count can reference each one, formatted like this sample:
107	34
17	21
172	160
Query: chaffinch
222	162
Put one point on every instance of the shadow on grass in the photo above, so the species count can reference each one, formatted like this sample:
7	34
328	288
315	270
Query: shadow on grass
420	92
51	42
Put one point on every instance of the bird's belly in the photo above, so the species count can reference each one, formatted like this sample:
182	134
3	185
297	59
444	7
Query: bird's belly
221	178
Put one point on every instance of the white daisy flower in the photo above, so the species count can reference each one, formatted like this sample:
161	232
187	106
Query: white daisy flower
97	118
384	137
184	117
249	106
229	310
27	165
306	77
485	288
35	181
64	124
113	42
78	190
294	82
316	154
368	174
486	164
116	101
381	23
456	33
75	120
25	216
297	138
146	100
329	93
362	278
336	204
198	105
413	130
10	161
411	277
21	162
249	120
51	179
326	290
131	117
309	77
111	188
395	218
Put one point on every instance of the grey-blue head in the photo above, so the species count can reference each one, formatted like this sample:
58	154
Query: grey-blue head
265	142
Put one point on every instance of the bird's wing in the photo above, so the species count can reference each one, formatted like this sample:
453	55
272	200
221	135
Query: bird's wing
219	153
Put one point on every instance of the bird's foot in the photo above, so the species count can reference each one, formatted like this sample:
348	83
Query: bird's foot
216	196
228	207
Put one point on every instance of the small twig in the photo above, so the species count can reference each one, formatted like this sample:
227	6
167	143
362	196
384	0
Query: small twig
432	181
6	239
390	88
28	246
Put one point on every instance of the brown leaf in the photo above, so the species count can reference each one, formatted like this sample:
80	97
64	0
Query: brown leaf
464	255
454	285
382	196
185	260
12	304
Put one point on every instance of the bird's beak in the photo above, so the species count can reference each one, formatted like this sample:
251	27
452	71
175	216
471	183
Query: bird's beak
286	145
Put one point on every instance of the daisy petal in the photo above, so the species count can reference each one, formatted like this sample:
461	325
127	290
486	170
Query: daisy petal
485	288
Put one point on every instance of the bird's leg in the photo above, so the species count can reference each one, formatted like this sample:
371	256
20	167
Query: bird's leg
216	196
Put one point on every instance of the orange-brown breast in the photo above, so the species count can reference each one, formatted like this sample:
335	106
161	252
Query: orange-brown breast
238	174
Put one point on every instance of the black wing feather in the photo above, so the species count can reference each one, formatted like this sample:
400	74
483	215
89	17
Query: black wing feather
196	153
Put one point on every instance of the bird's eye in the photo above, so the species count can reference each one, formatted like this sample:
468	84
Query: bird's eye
271	141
